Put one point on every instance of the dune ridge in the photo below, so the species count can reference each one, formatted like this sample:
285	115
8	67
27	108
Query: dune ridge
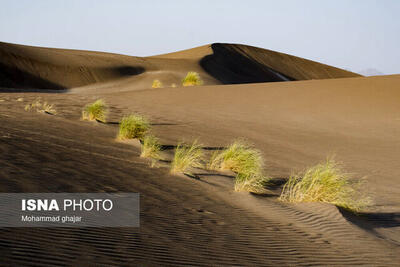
27	67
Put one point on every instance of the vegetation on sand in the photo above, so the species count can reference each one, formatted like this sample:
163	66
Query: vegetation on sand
186	157
156	84
325	182
133	126
41	107
96	111
246	162
239	157
151	147
192	78
254	183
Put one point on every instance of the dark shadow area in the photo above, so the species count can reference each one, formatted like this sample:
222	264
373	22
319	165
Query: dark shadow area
273	188
128	70
32	90
152	124
369	221
13	77
193	176
372	220
111	122
229	66
276	183
262	195
215	174
208	148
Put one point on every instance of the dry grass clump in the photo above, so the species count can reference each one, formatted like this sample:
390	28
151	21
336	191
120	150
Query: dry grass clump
192	78
156	84
34	105
96	111
325	182
239	157
254	182
41	107
133	126
47	108
246	162
186	157
151	147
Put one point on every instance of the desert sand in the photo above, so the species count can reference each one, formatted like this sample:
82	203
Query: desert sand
296	111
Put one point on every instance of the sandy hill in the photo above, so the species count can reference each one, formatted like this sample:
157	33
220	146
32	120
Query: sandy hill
49	68
201	222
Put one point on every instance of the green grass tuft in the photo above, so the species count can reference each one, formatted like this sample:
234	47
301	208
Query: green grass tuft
95	111
240	157
254	183
192	78
151	147
186	157
325	182
246	162
133	126
156	84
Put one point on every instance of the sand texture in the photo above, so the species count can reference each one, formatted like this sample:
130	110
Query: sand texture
296	111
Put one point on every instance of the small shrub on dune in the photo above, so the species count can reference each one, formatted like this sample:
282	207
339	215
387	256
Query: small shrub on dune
133	126
192	78
325	182
96	111
156	84
214	163
151	147
254	182
186	157
246	162
35	104
47	108
240	157
41	107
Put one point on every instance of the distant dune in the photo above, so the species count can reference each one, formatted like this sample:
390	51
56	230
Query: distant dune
371	72
48	68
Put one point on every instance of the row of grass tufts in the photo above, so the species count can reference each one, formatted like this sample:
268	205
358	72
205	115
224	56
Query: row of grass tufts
324	182
191	79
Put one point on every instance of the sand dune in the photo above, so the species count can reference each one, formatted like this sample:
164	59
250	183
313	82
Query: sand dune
184	221
49	68
201	222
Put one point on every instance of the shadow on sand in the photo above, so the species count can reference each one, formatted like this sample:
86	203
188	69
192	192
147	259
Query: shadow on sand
371	220
208	148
